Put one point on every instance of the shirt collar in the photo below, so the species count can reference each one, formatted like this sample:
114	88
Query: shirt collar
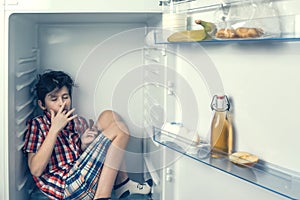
47	117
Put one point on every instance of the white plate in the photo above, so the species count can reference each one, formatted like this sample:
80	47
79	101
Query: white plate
265	36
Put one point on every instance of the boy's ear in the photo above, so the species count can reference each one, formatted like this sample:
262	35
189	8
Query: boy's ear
41	105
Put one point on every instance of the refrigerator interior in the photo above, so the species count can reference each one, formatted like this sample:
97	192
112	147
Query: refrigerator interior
91	48
105	51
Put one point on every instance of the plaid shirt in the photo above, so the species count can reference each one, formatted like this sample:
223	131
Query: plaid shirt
66	151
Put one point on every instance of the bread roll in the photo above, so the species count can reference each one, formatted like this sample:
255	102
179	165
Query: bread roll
244	32
243	158
226	33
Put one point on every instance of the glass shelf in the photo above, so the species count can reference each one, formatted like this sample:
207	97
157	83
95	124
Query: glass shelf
277	19
160	37
263	174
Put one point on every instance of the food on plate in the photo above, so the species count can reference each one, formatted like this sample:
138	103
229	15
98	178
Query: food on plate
244	32
241	32
209	27
187	36
226	33
243	158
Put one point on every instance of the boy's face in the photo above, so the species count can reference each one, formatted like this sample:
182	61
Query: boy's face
55	99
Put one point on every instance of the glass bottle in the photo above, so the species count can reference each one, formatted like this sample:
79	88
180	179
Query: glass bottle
221	140
174	15
174	18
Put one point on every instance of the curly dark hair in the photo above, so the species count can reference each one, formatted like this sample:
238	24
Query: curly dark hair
50	80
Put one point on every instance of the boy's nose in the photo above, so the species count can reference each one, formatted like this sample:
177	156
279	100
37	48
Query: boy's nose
61	101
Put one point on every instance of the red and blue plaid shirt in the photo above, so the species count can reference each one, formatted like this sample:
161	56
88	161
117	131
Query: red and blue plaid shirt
66	151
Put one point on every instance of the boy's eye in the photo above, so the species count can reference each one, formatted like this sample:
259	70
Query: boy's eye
66	97
53	99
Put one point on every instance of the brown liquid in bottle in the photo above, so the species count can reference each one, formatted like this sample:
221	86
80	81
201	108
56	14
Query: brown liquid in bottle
221	133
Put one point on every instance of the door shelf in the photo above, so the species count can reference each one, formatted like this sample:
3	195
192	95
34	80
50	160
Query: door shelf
274	20
160	37
268	176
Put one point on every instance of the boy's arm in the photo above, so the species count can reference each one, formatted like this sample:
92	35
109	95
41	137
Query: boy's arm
38	161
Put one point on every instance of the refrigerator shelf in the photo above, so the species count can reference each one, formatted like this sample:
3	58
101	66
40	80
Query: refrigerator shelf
268	176
160	37
269	17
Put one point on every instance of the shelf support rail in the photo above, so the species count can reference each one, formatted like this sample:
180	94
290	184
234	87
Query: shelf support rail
224	5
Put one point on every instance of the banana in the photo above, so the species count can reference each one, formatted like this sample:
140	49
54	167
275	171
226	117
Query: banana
208	30
188	36
209	27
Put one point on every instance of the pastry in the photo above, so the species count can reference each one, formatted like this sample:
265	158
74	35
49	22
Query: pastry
243	158
226	33
244	32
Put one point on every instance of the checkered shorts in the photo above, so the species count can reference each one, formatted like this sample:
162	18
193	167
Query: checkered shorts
83	177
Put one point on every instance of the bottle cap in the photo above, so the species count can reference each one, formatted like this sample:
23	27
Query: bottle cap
220	103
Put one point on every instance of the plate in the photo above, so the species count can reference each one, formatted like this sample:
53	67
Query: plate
264	36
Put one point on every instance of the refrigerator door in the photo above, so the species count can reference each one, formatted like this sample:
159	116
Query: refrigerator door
3	102
260	78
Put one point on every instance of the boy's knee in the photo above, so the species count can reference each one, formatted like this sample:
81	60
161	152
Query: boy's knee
117	130
106	118
110	122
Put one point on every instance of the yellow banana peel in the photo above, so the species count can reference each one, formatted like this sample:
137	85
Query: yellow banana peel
188	36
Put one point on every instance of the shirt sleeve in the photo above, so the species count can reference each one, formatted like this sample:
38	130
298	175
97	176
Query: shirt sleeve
33	137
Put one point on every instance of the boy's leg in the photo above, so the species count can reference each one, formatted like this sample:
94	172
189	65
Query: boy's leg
114	167
82	180
113	128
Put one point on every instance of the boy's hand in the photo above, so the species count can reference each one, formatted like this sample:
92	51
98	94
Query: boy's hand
61	118
88	137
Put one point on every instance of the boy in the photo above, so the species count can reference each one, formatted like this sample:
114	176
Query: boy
60	167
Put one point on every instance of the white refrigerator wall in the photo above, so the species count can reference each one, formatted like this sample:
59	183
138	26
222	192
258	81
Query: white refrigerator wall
264	98
261	80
